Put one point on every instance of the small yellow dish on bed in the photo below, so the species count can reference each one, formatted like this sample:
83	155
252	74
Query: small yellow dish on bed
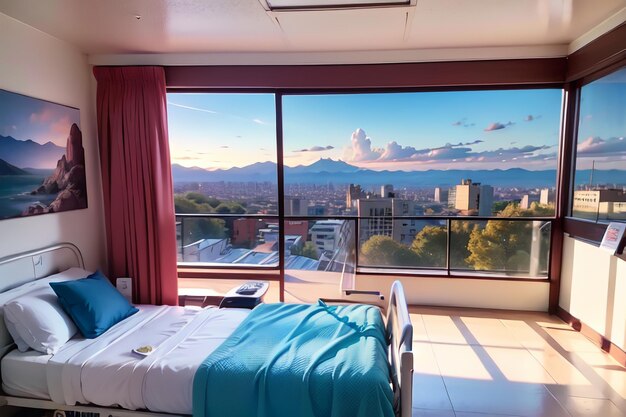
144	350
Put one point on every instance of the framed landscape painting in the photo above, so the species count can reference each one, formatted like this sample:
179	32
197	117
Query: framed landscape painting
42	160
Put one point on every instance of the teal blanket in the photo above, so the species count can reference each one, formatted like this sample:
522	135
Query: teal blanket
296	360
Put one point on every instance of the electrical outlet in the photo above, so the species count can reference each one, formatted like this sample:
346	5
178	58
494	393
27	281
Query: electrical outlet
125	287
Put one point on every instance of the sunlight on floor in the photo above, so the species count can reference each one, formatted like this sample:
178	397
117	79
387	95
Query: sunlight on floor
472	363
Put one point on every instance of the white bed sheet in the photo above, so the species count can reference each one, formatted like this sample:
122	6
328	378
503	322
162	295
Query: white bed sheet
24	374
104	371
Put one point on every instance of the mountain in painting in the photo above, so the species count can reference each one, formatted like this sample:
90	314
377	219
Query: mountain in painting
29	154
8	169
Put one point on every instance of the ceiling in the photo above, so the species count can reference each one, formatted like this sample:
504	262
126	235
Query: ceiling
203	26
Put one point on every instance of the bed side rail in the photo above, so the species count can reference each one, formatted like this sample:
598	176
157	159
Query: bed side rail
400	331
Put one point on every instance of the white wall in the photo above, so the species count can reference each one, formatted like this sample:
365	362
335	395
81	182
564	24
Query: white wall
38	65
462	292
593	289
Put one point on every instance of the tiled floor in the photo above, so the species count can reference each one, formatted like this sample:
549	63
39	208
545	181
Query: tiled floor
473	363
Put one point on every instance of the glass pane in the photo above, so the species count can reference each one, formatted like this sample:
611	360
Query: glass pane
320	258
223	151
515	248
402	243
437	153
238	241
600	177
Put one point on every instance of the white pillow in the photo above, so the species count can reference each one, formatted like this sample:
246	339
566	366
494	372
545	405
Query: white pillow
22	346
38	319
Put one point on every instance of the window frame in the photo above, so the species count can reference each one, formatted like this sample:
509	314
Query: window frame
187	270
586	230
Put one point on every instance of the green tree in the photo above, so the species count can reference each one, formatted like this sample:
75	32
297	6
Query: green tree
430	246
498	206
383	250
460	232
184	204
230	208
195	229
197	197
213	202
497	246
536	210
309	250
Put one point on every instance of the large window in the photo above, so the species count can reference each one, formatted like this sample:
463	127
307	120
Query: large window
600	170
406	165
455	182
224	166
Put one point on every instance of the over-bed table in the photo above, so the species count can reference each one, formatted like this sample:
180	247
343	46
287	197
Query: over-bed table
197	333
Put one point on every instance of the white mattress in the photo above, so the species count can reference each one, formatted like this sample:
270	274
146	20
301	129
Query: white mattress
104	371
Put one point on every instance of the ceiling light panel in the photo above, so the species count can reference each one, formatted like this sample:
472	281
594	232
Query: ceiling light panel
290	5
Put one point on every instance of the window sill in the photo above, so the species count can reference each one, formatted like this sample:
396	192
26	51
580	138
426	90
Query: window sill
204	272
435	273
586	230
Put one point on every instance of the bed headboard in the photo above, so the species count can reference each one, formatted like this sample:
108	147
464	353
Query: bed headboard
16	270
400	329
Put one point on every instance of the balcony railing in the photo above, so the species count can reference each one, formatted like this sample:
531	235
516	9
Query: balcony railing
512	247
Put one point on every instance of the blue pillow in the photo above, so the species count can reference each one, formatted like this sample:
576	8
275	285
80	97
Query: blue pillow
93	303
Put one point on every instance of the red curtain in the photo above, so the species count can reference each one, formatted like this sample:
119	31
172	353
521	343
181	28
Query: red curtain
137	180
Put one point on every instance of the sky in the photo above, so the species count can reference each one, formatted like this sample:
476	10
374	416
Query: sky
602	124
24	118
409	131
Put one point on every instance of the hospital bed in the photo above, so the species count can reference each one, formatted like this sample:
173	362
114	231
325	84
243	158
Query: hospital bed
117	384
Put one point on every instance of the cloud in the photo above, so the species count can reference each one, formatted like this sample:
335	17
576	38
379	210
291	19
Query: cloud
497	126
45	115
393	152
61	126
200	109
530	118
316	149
463	123
596	146
362	147
475	142
182	106
186	158
224	146
362	151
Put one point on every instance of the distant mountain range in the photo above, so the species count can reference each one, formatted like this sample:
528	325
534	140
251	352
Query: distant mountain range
328	170
29	154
